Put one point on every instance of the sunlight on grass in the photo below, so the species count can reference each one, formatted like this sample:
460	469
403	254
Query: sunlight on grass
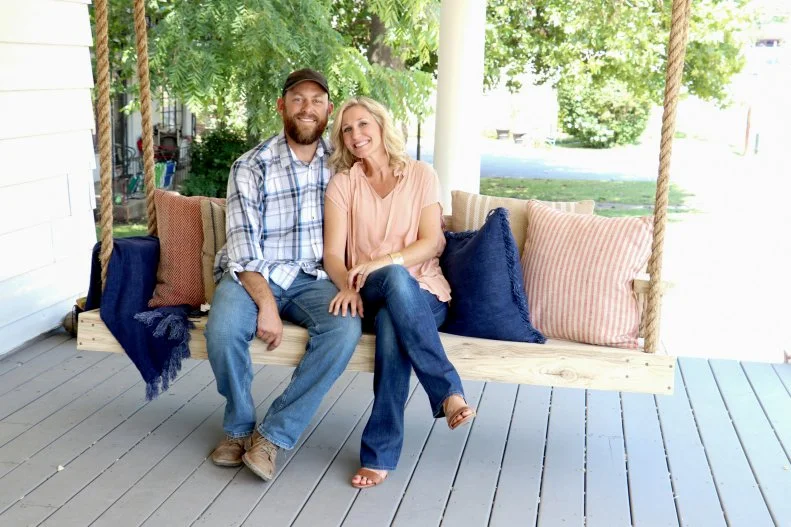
613	198
125	230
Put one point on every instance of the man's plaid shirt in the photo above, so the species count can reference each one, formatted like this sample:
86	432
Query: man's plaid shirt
275	213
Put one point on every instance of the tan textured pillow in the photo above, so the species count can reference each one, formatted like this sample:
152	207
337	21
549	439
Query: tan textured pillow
213	219
578	274
470	210
180	231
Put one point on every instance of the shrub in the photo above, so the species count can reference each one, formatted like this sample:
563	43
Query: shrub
601	114
212	158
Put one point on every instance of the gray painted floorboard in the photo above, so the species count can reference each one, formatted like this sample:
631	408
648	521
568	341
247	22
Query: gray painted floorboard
696	496
378	506
649	479
533	456
20	357
562	498
427	494
61	485
333	497
287	495
774	398
757	438
519	486
208	482
739	494
471	498
784	373
606	493
39	365
153	489
60	392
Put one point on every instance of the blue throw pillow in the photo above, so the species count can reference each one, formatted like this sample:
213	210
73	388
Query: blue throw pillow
488	294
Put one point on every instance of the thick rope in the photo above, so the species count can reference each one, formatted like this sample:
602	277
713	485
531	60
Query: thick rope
676	51
145	110
105	153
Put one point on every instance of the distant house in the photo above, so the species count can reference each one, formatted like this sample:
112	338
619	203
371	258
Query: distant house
46	164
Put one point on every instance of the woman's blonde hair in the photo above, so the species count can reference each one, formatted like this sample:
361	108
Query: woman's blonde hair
342	159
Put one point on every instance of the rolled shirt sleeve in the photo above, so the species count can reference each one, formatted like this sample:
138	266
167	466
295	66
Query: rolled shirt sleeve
244	228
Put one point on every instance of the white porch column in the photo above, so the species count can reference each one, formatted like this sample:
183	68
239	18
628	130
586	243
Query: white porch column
457	156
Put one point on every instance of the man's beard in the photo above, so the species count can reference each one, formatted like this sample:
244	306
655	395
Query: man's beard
300	136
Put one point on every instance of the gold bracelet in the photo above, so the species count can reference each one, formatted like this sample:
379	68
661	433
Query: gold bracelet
396	258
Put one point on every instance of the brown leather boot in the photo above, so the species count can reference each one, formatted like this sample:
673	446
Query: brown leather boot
229	451
260	457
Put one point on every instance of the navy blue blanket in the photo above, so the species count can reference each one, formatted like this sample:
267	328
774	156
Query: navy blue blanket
156	341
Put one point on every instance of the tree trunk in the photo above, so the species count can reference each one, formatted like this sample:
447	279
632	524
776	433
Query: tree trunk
379	52
382	54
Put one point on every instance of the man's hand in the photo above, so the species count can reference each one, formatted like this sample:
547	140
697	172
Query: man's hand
358	274
270	327
345	301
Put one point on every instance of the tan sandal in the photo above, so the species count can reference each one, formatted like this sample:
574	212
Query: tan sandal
371	475
450	418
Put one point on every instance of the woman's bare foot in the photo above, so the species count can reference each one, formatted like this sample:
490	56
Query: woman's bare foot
457	412
368	477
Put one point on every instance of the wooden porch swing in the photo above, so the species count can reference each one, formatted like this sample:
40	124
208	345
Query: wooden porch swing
556	363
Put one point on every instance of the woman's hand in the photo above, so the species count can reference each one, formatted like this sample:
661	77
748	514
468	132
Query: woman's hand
345	301
358	273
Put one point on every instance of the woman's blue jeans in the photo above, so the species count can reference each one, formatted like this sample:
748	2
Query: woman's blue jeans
406	322
232	324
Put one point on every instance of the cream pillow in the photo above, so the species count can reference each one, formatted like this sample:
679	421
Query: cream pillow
213	219
470	211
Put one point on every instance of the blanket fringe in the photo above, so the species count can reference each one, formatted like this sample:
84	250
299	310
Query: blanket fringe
176	328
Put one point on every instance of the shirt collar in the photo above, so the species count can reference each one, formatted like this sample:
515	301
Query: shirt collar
357	168
286	154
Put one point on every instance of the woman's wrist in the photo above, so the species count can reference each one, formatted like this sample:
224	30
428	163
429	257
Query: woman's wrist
396	258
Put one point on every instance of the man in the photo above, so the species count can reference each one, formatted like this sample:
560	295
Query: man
270	268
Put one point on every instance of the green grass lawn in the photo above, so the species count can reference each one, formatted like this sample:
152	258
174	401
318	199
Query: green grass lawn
613	198
124	230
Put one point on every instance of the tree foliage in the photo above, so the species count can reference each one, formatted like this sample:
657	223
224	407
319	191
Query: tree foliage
623	39
211	159
607	58
227	58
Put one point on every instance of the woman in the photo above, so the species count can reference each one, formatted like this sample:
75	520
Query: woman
382	239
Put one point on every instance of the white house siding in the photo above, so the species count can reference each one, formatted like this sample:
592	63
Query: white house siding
46	163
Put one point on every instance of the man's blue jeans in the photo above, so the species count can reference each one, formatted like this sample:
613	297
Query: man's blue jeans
407	318
232	326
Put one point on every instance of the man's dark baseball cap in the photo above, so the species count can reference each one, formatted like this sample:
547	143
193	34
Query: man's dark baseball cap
303	75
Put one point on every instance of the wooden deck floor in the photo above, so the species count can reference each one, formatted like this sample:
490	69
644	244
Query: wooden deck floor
80	446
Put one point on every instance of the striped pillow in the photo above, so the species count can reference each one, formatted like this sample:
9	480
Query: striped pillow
469	212
578	273
180	231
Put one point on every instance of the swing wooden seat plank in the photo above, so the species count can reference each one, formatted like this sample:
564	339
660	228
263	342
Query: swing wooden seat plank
556	363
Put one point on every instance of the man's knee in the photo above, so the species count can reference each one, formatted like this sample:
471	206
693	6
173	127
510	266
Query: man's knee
348	329
230	318
349	326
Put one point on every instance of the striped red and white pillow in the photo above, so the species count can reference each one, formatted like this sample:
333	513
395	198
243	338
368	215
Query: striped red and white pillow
578	273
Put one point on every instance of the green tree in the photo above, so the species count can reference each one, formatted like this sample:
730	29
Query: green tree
226	59
122	43
211	160
600	53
